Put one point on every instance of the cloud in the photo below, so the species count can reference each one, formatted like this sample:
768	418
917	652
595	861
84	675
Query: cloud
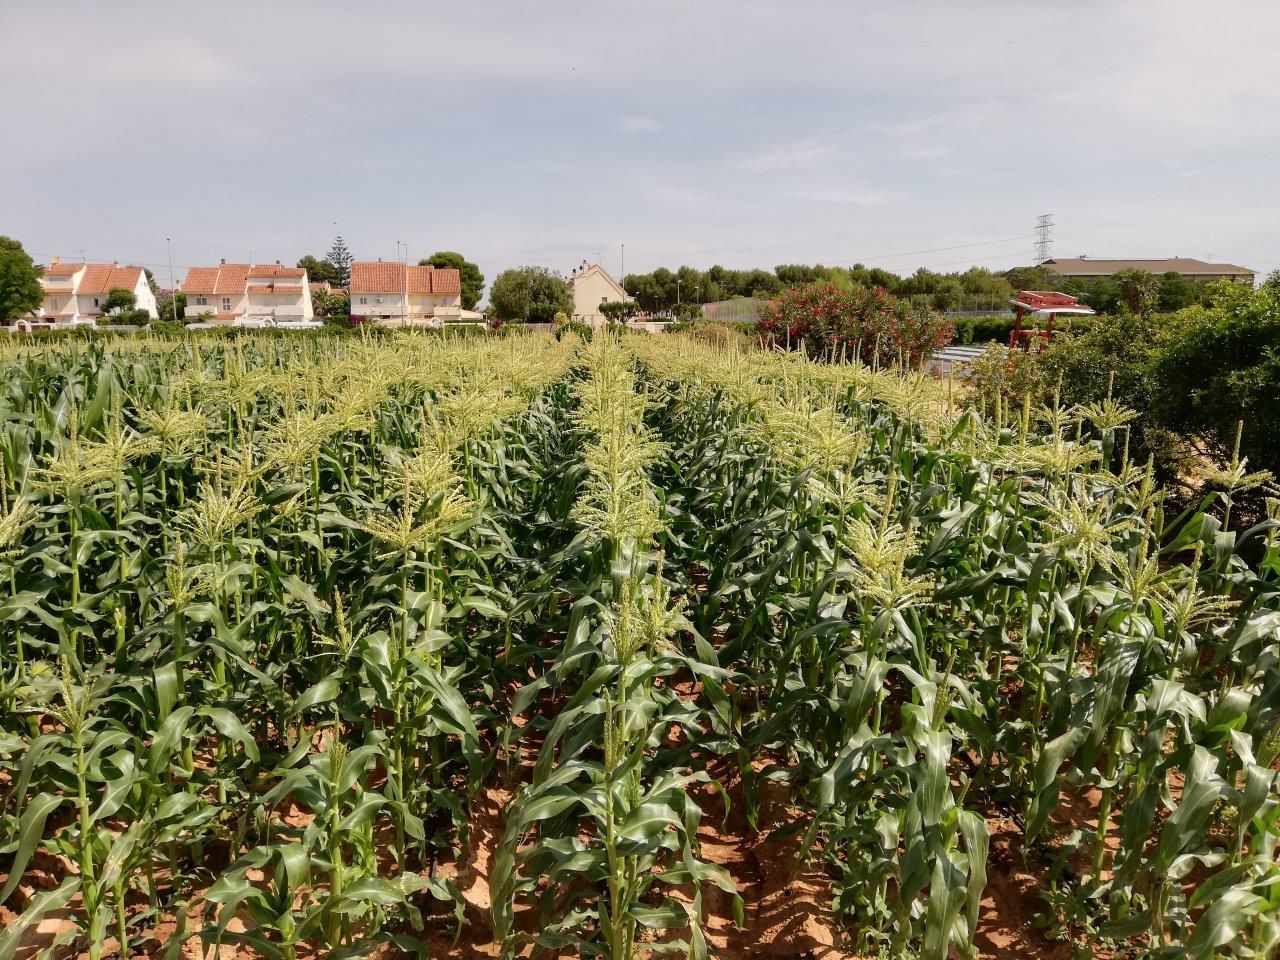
636	123
927	153
792	155
849	196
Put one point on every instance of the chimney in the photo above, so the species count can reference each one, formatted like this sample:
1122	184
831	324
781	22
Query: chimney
224	260
277	263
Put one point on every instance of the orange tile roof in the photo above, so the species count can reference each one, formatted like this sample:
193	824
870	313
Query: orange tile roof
231	278
103	277
200	280
216	280
277	289
390	278
277	271
63	269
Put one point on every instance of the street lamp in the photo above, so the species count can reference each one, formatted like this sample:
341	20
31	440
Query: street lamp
173	286
404	276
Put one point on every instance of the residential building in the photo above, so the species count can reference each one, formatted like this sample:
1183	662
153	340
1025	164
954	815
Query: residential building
397	293
248	293
593	285
76	291
1087	268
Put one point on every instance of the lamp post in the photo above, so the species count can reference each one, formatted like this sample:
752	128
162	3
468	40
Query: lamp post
404	276
173	286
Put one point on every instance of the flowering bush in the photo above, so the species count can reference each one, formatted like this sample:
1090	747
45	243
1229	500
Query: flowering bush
871	324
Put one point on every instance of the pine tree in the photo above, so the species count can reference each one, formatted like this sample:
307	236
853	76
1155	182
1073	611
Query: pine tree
339	257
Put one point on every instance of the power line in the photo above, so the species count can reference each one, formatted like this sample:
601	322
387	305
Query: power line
916	253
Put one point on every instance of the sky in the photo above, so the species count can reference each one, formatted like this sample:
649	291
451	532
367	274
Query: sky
747	133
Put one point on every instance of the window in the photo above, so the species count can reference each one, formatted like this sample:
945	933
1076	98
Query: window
364	301
226	303
53	306
95	301
202	301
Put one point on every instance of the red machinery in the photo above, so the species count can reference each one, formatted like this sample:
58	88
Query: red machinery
1040	303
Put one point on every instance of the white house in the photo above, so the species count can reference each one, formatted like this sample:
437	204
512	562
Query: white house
593	285
248	293
76	291
399	293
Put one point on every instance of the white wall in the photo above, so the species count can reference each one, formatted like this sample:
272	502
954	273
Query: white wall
589	291
146	299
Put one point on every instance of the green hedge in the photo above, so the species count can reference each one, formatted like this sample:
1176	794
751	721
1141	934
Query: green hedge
981	330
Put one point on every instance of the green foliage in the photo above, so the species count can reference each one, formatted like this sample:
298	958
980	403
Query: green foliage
331	305
1176	293
573	327
472	278
834	324
687	311
1139	290
118	300
20	290
339	259
1033	278
1007	376
980	330
530	295
619	311
320	271
658	292
165	304
1221	365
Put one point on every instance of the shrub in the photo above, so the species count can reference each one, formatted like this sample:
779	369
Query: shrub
1007	374
979	330
830	322
575	327
1221	365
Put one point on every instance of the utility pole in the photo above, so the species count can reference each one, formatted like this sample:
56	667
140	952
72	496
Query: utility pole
1044	236
404	276
624	262
173	286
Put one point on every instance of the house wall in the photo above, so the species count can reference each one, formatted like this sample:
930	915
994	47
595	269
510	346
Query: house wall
146	299
194	306
589	292
394	305
378	305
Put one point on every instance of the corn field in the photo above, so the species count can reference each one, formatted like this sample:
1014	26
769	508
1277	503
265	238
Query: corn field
282	612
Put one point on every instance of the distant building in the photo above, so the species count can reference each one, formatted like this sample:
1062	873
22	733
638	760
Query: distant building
233	293
1087	268
593	285
401	293
75	291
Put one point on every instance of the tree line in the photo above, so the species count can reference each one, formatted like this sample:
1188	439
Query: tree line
977	288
